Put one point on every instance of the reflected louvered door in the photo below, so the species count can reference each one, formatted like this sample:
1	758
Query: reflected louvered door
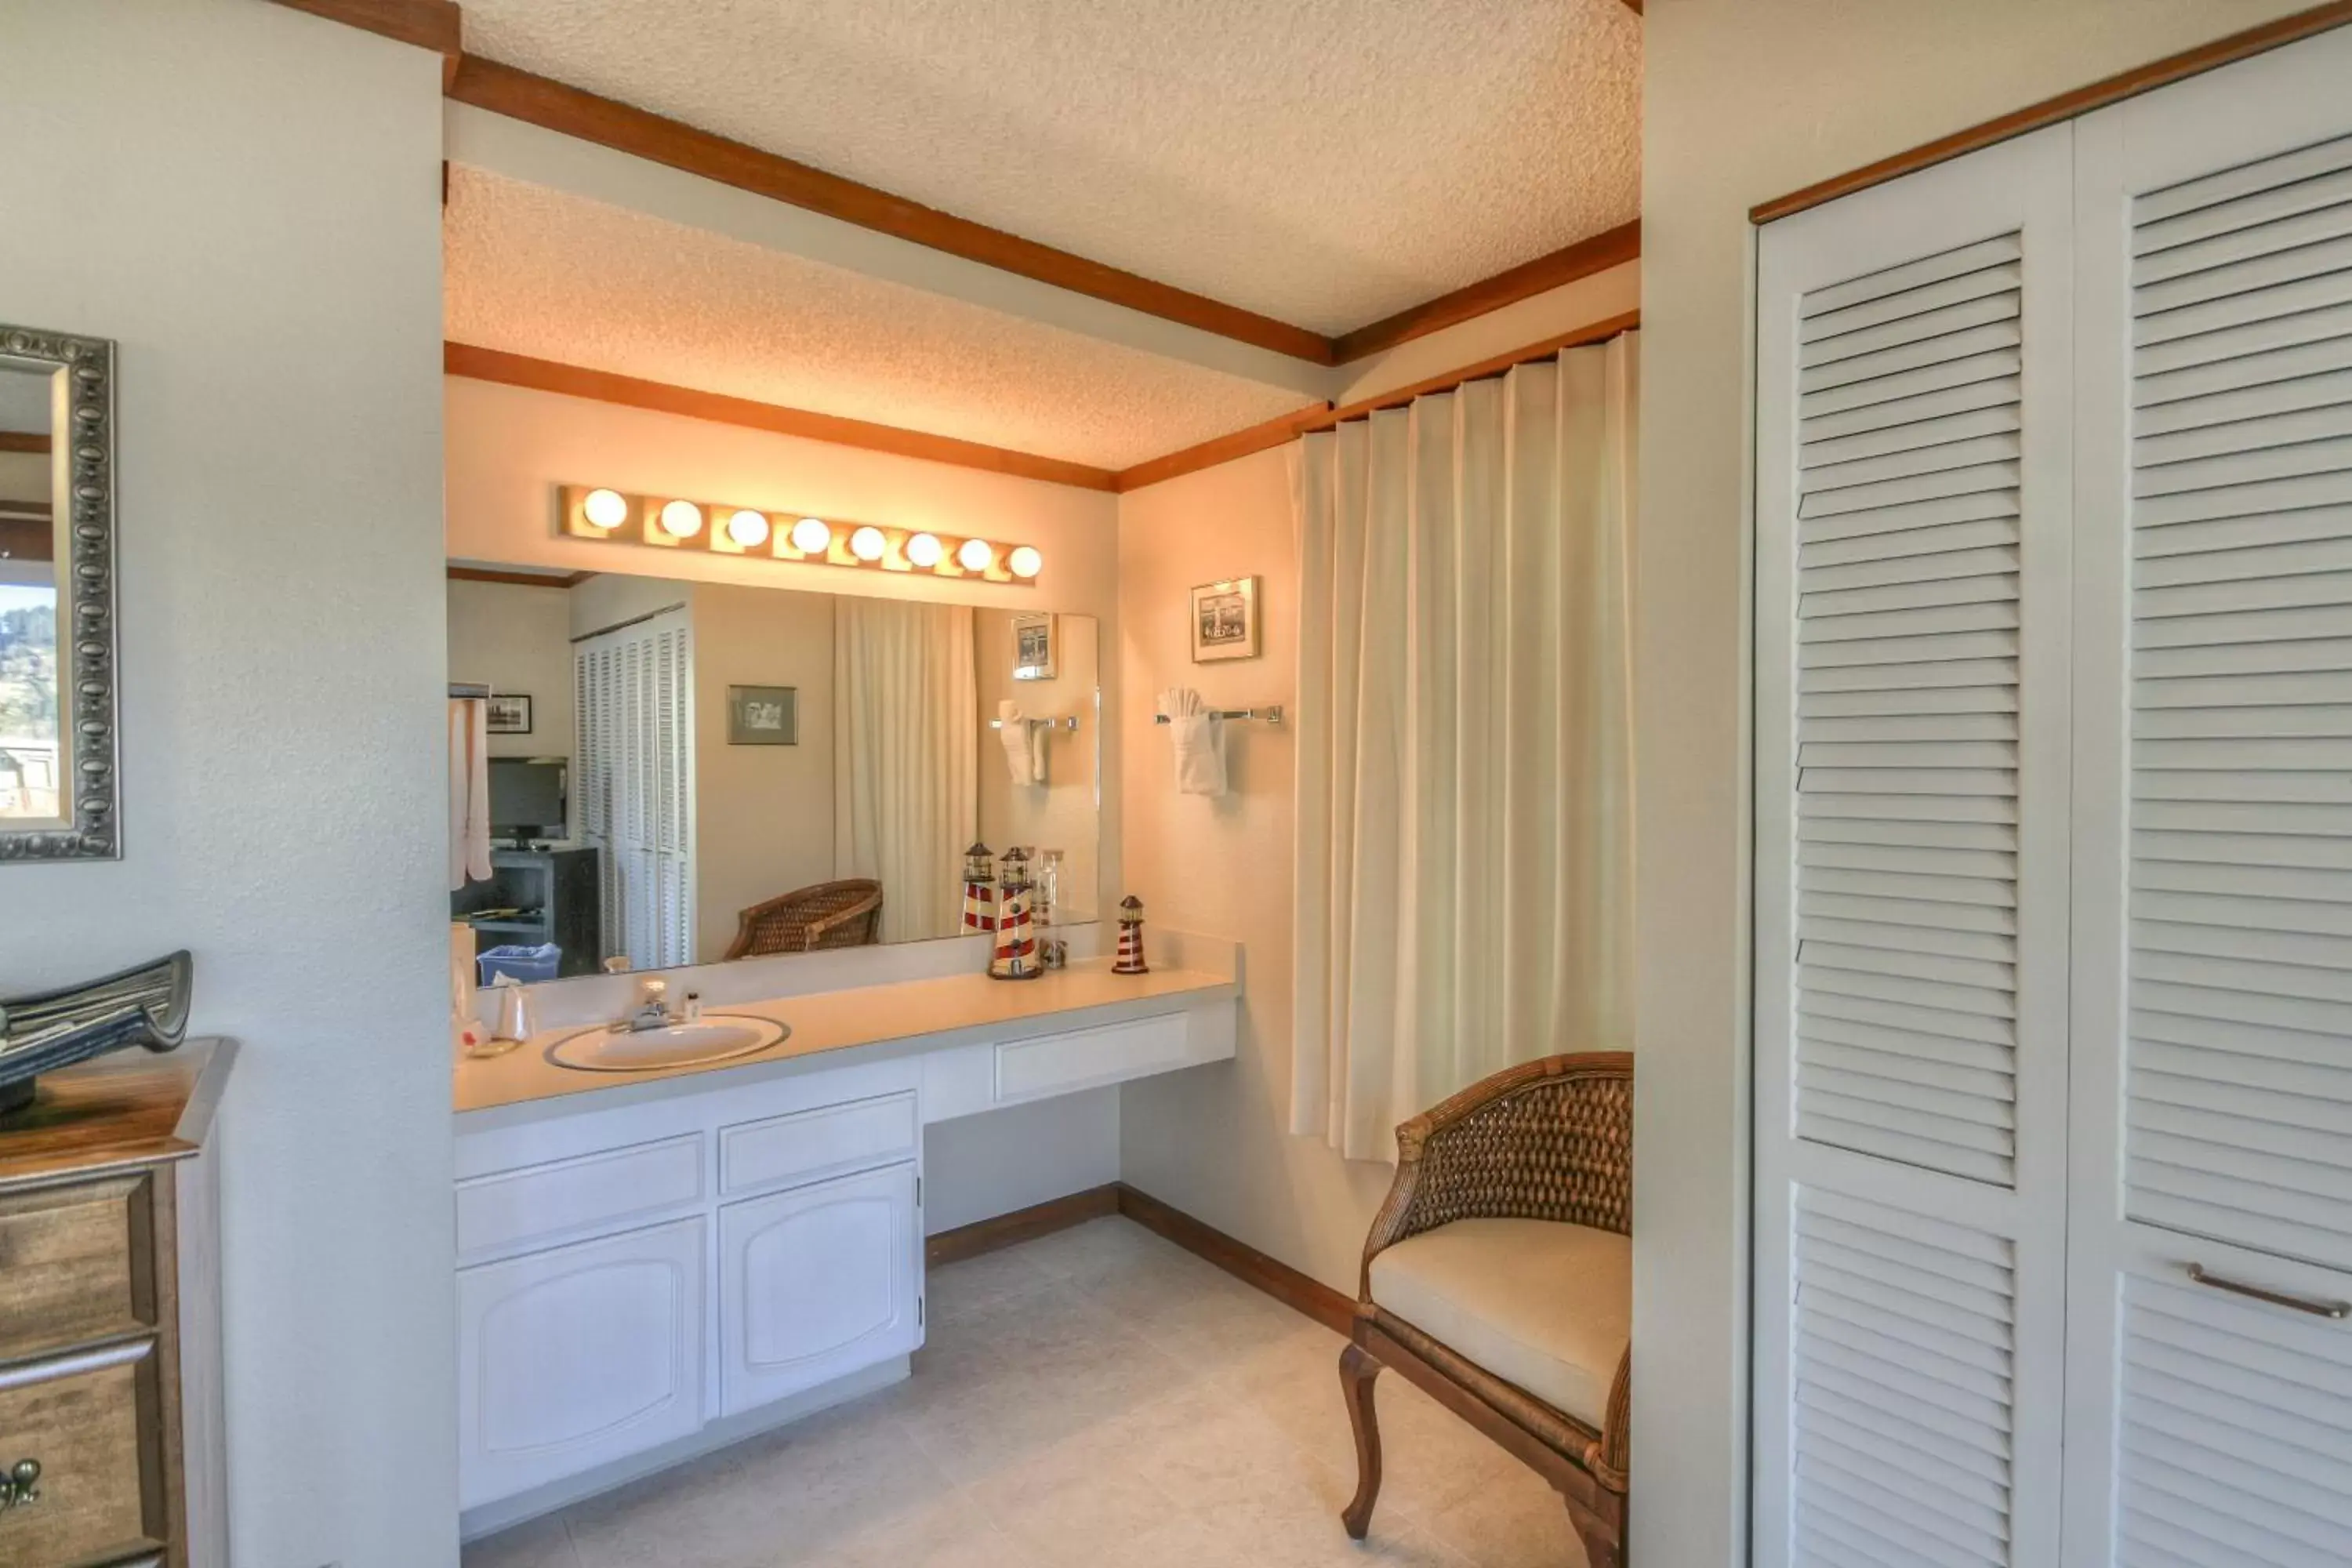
1912	519
2212	841
637	757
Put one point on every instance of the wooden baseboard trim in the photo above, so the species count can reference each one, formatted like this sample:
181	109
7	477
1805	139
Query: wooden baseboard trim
1301	1293
1021	1225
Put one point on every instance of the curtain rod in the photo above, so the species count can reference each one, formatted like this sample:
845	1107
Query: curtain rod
1584	337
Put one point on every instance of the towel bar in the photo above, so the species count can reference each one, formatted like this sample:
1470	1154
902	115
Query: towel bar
1272	715
1069	723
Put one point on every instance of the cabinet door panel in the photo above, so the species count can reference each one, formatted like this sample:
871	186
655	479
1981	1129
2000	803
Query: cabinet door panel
816	1283
570	1358
1911	876
2212	825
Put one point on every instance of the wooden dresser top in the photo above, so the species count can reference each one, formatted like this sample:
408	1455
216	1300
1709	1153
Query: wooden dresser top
134	1108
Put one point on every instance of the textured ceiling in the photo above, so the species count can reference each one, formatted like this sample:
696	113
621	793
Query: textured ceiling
535	272
1323	161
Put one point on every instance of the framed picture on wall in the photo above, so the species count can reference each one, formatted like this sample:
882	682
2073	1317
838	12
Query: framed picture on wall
763	716
508	715
1224	620
1034	649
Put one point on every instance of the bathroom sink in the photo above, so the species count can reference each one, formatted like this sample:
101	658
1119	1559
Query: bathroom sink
714	1038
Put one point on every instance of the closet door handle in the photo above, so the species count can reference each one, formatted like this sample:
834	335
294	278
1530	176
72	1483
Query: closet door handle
2316	1307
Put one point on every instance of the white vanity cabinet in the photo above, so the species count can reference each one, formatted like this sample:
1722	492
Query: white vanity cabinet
631	1273
816	1282
579	1355
669	1264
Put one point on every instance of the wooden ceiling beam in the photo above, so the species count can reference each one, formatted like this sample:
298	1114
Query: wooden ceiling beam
1275	431
1602	251
1222	448
603	386
571	112
1544	348
519	579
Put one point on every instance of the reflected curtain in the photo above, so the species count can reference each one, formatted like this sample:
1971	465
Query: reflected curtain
904	712
1465	781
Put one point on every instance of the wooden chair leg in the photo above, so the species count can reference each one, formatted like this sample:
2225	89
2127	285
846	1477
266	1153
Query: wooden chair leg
1356	1371
1601	1547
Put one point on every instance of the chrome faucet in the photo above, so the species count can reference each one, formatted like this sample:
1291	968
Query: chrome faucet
651	1011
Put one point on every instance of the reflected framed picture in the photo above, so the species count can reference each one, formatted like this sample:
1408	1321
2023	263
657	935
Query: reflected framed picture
508	713
1034	652
763	716
1224	620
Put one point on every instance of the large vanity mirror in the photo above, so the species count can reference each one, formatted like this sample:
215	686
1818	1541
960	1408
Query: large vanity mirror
674	772
57	611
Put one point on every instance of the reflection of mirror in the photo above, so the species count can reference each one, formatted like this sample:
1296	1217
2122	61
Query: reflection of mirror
707	771
57	693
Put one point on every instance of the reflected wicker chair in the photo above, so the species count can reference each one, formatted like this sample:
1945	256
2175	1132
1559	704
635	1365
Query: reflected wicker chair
847	913
1500	1260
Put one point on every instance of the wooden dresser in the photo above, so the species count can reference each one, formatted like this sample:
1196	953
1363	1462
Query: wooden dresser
109	1327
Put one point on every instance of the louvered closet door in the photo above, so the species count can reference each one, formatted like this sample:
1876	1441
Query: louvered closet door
637	750
2212	1029
1913	490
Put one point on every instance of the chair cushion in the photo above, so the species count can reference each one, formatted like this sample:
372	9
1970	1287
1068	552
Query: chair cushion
1547	1306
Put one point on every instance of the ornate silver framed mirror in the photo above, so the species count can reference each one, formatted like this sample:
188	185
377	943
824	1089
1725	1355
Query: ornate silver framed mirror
58	785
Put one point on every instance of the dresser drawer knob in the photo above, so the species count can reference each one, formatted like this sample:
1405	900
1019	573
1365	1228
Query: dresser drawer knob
20	1486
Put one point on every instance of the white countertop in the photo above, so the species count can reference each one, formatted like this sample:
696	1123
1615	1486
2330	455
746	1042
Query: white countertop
822	1021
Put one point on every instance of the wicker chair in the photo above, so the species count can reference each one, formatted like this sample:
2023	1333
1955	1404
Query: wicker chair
1551	1140
846	913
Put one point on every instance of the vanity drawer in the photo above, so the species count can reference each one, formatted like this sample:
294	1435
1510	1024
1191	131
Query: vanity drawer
89	1422
1082	1058
513	1209
71	1257
809	1145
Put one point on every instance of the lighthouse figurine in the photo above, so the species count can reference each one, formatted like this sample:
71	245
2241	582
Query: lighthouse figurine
1015	955
1130	937
979	891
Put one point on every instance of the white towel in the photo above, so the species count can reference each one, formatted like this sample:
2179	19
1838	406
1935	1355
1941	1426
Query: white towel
1198	740
1024	744
469	792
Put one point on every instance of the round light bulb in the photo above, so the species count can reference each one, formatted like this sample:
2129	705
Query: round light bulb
812	536
974	554
1024	561
867	543
748	529
681	518
606	509
925	551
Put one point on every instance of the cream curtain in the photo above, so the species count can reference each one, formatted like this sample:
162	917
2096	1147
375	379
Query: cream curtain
906	713
1465	784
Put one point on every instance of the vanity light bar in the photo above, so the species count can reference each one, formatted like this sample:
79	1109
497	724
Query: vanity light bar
675	523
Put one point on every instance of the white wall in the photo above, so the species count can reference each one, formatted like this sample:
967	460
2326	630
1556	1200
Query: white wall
516	639
1064	812
1215	1141
507	447
1744	100
247	199
762	815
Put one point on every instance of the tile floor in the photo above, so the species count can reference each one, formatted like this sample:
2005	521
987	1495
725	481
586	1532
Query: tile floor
1098	1399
